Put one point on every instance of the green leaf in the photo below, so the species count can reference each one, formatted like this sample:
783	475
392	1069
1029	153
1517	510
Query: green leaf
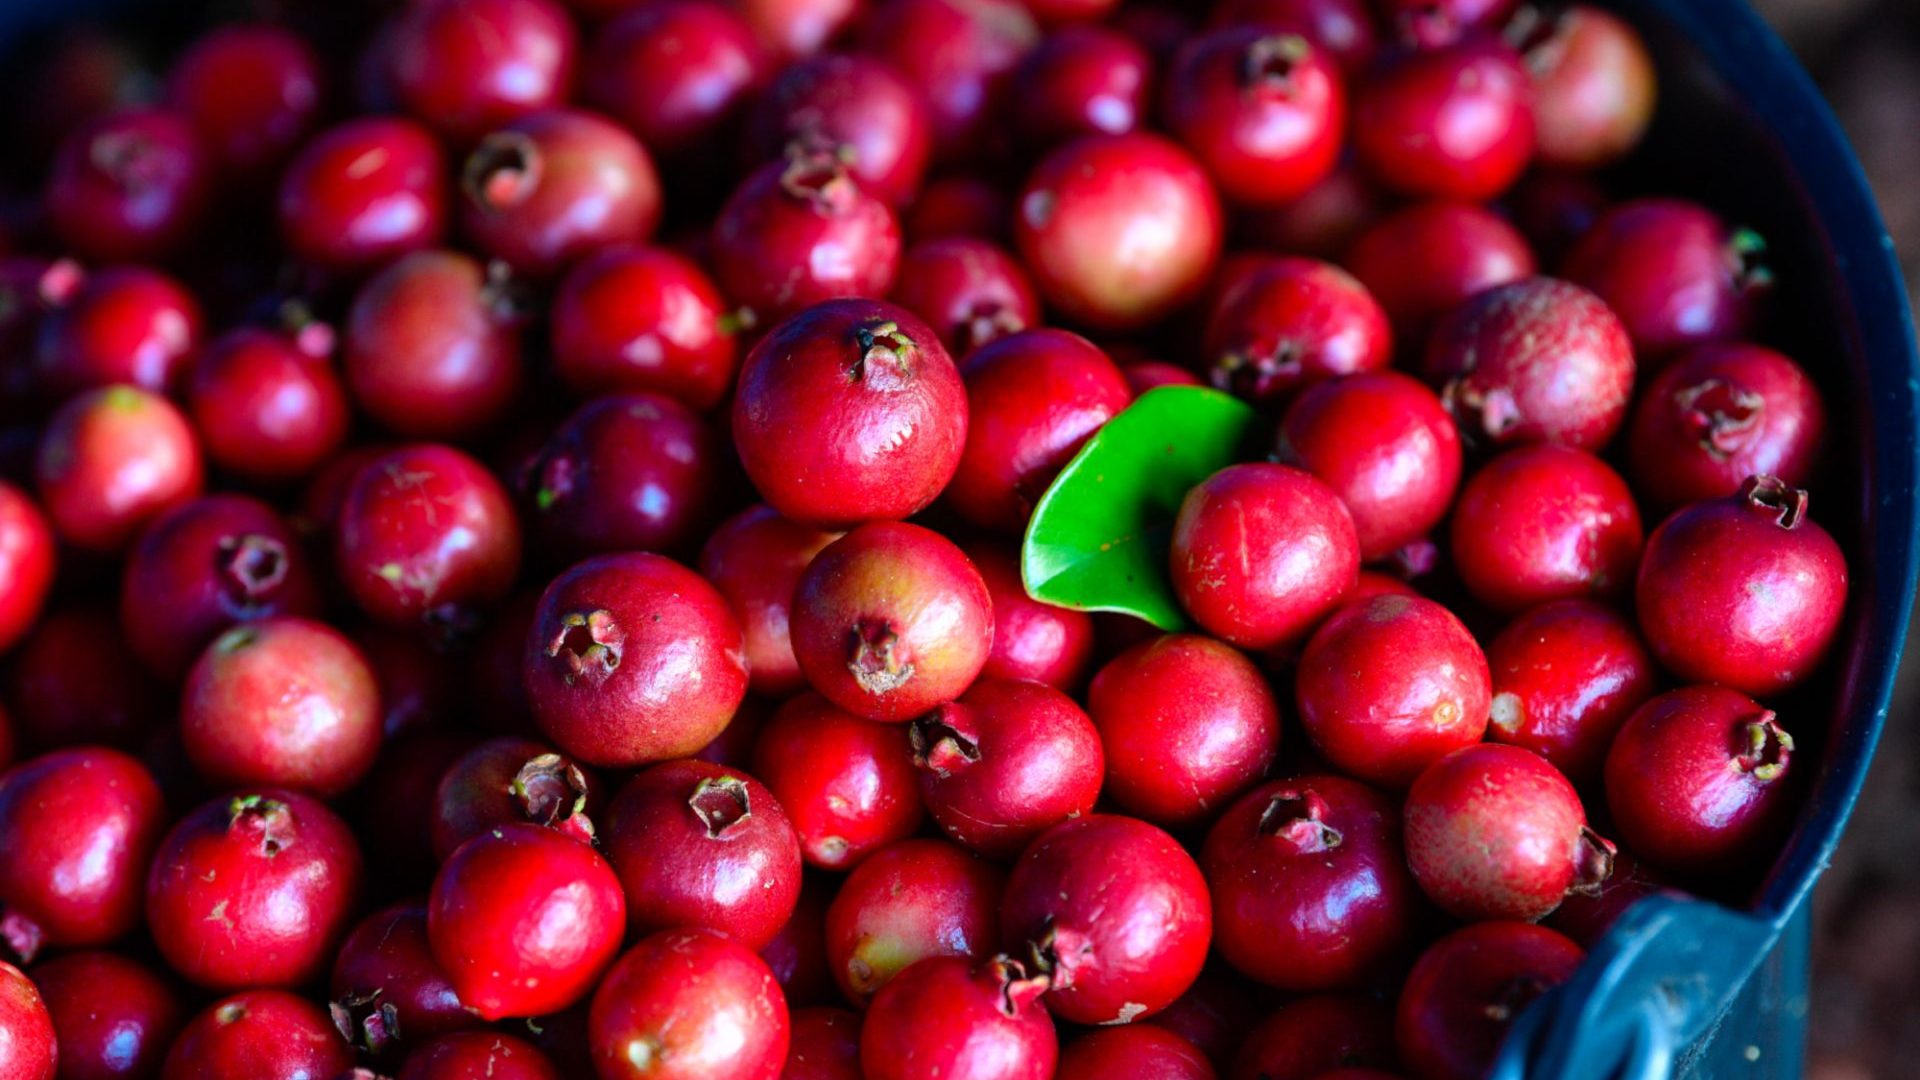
1098	538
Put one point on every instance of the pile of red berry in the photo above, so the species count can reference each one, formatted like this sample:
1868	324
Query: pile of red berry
512	565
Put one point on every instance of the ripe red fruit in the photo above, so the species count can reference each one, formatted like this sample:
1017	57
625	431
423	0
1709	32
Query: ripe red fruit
1435	23
1468	987
250	92
850	411
78	827
1310	890
946	1019
122	324
908	901
432	346
363	192
554	186
1341	27
387	986
800	231
1032	399
1081	80
625	472
1187	723
1545	522
633	658
1113	912
469	66
847	784
1261	553
523	920
258	1033
699	844
1386	447
26	564
1265	111
478	1055
269	409
1720	414
1566	675
970	290
688	1005
1119	230
30	1051
1594	86
825	1045
114	1017
848	104
1133	1052
891	620
511	779
204	566
642	318
1310	1037
677	74
253	889
1675	273
1423	261
110	461
1539	360
1453	122
56	696
755	559
426	533
959	55
1031	640
1494	832
793	28
1745	591
1291	322
1698	781
129	186
1587	917
1005	762
1389	685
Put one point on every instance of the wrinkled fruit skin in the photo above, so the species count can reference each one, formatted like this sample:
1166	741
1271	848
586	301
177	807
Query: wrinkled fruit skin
258	1033
946	1019
688	1005
1566	675
1545	522
847	784
1114	912
1720	414
1310	889
115	1017
908	901
755	559
1468	987
1133	1052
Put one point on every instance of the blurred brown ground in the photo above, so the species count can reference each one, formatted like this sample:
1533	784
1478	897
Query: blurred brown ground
1865	1020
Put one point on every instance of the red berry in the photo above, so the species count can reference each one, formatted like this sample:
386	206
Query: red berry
57	696
677	74
1032	400
253	889
971	291
755	560
848	784
31	1050
426	533
478	1055
1114	913
825	1045
1187	724
698	844
1341	27
26	564
1454	122
1119	230
110	461
250	92
123	324
1265	111
1031	640
1005	762
800	231
1133	1052
364	192
959	54
1310	1037
1291	322
1539	360
631	659
640	318
115	1018
523	920
1594	87
1720	414
1261	553
1386	447
1674	272
555	186
1389	685
1466	990
1566	675
855	105
269	410
946	1019
1586	917
1744	591
511	779
1081	80
625	472
1429	258
469	66
1545	522
129	186
1310	890
78	827
255	1034
387	986
688	1005
908	901
850	411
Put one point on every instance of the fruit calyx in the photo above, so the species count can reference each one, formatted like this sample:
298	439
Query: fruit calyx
1295	815
588	646
819	179
268	818
1747	252
1054	954
938	743
503	171
720	802
875	658
1786	505
127	159
552	791
1494	412
1593	858
1269	63
20	936
1017	989
1721	416
249	567
886	355
370	1024
1766	748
